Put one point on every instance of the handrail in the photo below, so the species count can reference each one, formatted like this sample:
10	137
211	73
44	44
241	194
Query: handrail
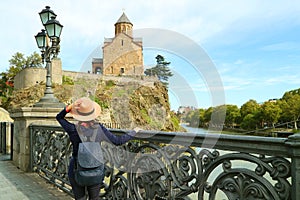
249	144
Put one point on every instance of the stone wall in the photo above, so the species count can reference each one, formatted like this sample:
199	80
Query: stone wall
31	76
142	80
78	75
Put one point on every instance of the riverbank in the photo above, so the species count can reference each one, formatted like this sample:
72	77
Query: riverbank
268	132
236	131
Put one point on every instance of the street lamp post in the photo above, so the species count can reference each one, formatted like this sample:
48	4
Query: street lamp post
48	41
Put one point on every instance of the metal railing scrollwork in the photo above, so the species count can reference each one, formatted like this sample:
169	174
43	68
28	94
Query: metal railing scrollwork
152	168
50	153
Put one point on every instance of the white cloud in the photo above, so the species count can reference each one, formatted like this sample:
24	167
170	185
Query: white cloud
283	79
283	46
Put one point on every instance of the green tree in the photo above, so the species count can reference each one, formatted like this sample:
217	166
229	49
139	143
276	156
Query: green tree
192	118
271	112
218	115
5	88
250	107
284	117
249	122
19	62
16	64
201	117
161	70
33	60
207	115
195	117
290	106
232	115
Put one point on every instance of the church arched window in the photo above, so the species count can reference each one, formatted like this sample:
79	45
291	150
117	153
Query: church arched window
98	70
112	69
122	70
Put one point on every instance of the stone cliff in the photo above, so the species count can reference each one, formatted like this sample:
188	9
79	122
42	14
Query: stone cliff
125	102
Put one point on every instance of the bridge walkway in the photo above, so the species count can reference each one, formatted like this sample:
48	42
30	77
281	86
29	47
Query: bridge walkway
18	185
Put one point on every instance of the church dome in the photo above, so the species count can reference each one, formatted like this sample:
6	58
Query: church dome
123	19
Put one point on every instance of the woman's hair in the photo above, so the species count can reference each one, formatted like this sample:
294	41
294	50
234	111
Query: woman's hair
92	123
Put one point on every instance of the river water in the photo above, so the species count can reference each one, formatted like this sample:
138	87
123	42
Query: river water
206	131
194	130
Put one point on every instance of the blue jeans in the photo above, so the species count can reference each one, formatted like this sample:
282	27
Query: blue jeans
79	191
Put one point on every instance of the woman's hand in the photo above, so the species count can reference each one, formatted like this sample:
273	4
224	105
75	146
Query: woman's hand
137	129
69	108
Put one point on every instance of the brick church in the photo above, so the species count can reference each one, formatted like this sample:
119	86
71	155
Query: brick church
122	54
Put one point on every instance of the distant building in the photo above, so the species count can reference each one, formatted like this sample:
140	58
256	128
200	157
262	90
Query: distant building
97	65
122	54
273	100
185	109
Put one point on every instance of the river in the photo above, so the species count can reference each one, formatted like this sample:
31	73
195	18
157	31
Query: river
206	131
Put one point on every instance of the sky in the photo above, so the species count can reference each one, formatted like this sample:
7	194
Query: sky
221	52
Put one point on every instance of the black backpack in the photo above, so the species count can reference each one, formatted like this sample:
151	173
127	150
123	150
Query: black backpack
89	167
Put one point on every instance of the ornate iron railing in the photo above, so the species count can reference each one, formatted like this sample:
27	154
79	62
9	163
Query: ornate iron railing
3	137
6	134
160	165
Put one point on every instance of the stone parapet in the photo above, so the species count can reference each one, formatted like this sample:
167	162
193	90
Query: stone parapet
23	118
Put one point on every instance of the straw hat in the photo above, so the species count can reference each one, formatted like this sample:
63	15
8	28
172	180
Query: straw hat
84	109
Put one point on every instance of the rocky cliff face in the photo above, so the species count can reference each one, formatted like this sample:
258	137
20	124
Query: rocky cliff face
126	103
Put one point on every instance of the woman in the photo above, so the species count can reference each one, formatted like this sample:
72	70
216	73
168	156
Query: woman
86	111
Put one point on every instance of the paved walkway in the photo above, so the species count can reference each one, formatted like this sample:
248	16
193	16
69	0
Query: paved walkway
18	185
